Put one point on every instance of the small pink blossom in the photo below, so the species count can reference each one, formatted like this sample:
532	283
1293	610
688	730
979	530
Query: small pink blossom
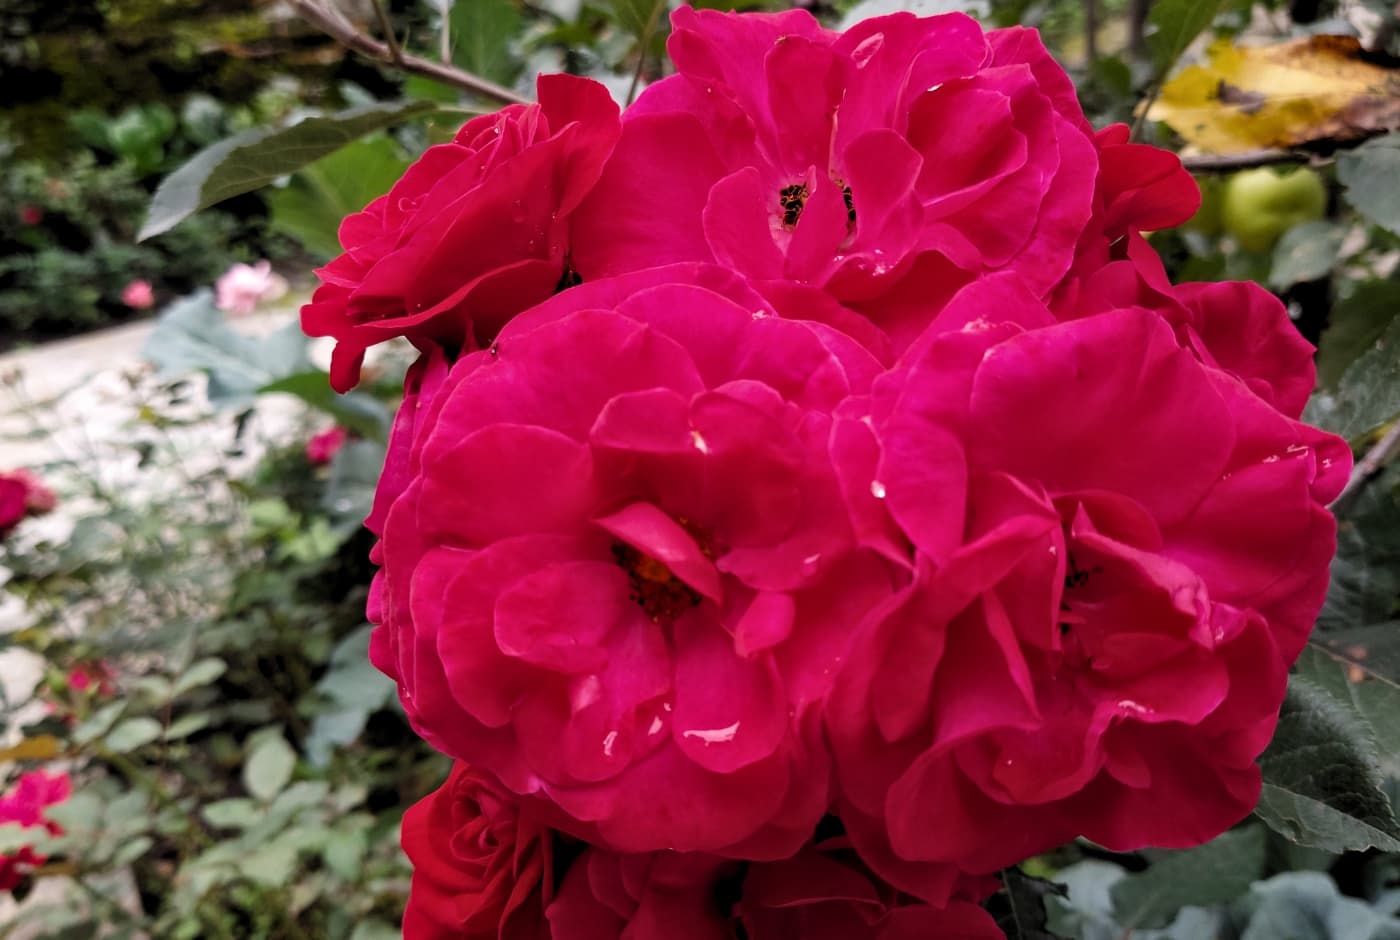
138	295
322	448
30	214
22	494
95	677
244	286
24	806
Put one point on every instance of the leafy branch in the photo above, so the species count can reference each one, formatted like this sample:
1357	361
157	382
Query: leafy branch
334	24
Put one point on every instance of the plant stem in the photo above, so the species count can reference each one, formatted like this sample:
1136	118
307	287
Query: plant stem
343	31
1368	466
1229	162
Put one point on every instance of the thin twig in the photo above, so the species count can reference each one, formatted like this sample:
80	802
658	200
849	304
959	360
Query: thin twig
337	27
1216	163
643	42
445	36
387	28
1384	451
1091	33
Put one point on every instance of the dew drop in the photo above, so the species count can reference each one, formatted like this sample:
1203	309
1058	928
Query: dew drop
608	743
877	489
714	735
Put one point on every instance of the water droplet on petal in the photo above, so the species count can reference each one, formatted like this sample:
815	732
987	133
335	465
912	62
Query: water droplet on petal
877	489
608	743
714	735
699	441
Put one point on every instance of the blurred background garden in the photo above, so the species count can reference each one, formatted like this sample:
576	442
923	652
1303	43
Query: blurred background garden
195	743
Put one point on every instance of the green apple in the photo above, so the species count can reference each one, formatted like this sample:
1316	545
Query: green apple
1260	205
1207	218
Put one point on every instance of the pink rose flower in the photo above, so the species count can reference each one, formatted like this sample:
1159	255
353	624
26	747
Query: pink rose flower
323	447
888	164
30	214
138	295
612	577
24	806
1236	326
1127	553
826	893
649	896
475	231
240	289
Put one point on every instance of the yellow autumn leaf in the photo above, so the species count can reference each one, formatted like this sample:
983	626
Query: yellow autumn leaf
1286	95
39	747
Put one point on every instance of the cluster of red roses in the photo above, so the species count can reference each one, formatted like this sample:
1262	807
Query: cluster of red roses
812	495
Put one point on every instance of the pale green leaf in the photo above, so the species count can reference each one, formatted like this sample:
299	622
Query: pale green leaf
255	158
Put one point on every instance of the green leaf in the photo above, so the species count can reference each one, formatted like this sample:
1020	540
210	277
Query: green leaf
272	864
1019	908
358	411
1374	702
1305	253
313	204
344	852
199	674
186	725
131	850
1368	174
99	723
1219	871
354	475
639	16
235	813
1357	321
255	158
1308	906
375	930
269	767
1322	782
133	733
1175	24
481	35
1368	393
193	336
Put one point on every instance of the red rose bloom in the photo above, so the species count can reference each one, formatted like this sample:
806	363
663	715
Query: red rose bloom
828	894
650	896
885	164
1100	625
481	868
613	577
476	231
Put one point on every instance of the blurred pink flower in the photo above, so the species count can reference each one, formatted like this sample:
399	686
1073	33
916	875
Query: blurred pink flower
322	448
92	677
138	295
25	806
30	214
22	494
244	286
